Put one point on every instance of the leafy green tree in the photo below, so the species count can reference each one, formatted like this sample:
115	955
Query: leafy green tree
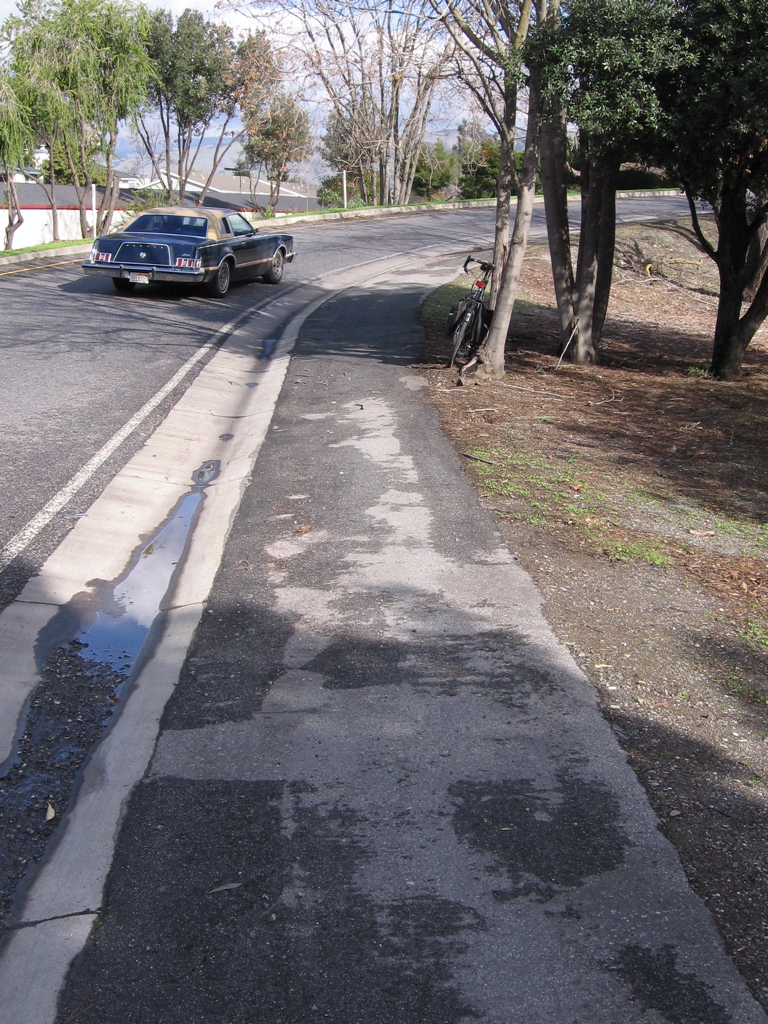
88	58
15	138
345	148
480	171
436	169
195	90
598	62
281	138
715	143
47	112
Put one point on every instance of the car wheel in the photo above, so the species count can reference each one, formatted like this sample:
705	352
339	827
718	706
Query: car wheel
275	271
122	284
218	286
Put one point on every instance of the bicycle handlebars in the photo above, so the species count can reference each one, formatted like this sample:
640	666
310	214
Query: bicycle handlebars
485	267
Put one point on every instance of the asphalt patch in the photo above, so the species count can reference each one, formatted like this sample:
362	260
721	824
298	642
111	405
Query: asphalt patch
543	842
657	984
237	901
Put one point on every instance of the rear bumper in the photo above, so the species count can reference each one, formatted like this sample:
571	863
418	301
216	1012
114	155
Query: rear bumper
178	275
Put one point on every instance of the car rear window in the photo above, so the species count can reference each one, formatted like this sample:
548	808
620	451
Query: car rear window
170	224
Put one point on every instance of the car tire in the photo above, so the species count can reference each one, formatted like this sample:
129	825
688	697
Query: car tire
218	286
122	284
275	272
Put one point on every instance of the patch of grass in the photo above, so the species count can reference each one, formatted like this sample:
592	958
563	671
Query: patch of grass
46	246
635	551
438	304
756	631
703	371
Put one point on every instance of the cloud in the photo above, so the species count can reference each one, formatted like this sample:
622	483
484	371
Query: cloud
7	8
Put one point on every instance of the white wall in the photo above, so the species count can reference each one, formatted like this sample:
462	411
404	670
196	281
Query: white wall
37	228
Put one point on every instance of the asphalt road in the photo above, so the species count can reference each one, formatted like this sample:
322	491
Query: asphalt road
78	361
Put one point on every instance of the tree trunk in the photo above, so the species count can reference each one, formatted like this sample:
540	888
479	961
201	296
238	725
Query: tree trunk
111	190
582	350
606	245
731	335
505	188
757	260
554	187
15	218
491	353
108	202
50	191
169	179
729	347
52	196
79	190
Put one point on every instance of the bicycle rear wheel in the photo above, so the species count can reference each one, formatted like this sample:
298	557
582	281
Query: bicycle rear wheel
477	332
458	339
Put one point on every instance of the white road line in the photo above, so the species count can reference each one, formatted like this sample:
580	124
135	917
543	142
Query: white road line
27	534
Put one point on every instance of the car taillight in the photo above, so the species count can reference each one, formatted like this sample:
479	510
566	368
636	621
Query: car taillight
103	257
188	261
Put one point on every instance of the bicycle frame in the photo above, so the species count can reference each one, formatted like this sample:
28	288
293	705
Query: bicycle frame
469	331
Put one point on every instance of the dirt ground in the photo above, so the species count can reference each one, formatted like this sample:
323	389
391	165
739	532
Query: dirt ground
635	493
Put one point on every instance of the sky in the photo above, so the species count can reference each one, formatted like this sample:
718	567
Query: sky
8	7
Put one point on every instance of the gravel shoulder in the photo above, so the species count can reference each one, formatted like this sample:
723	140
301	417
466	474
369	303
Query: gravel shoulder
634	492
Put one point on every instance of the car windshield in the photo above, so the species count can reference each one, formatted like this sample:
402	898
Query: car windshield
170	224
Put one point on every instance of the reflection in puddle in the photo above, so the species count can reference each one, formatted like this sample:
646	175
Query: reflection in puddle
86	655
122	624
111	626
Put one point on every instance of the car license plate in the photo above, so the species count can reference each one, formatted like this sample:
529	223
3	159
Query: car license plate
138	278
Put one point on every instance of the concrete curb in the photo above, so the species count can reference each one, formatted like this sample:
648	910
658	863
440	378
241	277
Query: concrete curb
365	212
41	254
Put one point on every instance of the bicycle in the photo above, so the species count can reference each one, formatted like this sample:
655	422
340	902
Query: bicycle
470	318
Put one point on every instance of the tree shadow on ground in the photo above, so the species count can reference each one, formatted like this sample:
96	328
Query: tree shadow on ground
219	906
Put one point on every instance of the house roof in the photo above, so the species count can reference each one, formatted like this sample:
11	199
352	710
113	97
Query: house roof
231	184
35	197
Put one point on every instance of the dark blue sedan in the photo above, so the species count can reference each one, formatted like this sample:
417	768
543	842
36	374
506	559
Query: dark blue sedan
189	245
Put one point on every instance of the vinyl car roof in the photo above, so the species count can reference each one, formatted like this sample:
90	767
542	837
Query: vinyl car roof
215	228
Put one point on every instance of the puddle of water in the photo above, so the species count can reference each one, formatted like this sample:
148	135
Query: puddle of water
112	627
120	628
269	347
85	656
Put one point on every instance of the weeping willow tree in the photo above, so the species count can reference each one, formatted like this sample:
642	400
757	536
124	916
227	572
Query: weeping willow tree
88	60
15	139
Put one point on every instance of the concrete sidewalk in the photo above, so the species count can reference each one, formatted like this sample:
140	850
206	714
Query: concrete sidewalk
382	792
